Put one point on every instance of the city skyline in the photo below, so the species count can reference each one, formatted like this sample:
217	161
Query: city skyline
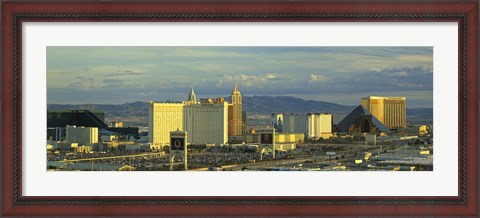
343	75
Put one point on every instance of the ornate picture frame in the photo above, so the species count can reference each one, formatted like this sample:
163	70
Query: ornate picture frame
14	13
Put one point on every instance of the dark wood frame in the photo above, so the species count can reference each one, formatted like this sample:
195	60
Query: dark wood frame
16	12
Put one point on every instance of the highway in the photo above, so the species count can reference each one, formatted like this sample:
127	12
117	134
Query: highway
111	157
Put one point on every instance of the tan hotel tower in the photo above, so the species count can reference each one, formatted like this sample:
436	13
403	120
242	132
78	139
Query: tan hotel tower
235	122
391	111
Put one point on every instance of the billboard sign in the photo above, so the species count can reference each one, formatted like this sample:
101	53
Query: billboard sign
177	144
331	153
266	138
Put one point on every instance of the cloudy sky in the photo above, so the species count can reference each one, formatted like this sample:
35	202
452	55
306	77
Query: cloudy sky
116	75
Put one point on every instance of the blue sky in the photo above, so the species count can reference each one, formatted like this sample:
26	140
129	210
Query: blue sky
116	75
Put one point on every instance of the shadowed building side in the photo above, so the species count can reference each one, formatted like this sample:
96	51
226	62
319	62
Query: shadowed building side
360	120
62	118
57	120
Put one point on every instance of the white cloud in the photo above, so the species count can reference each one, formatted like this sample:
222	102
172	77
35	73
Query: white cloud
249	80
399	73
270	76
412	85
314	78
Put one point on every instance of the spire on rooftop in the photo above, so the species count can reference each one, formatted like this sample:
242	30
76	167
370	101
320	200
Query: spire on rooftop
192	97
235	89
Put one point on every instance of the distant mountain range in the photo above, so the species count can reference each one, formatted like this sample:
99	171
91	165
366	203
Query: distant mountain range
252	104
280	104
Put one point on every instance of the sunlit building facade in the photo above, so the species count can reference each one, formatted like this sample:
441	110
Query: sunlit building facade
235	118
391	111
162	119
312	125
319	125
207	121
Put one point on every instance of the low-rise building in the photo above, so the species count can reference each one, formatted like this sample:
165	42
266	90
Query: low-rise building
82	135
422	130
279	138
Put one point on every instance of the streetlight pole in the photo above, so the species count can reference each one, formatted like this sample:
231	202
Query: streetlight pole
273	143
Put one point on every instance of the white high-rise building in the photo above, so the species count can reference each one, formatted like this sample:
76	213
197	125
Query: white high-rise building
313	125
82	135
319	125
206	123
294	123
